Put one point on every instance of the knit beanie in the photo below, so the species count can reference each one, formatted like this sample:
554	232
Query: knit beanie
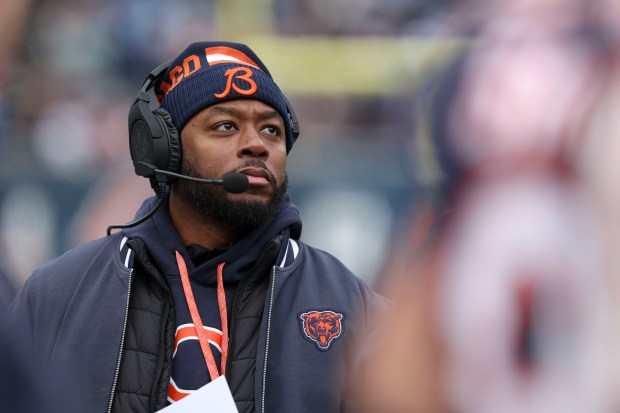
206	73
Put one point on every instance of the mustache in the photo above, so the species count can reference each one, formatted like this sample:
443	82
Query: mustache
255	163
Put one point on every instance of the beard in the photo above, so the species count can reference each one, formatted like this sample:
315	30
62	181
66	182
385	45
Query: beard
214	201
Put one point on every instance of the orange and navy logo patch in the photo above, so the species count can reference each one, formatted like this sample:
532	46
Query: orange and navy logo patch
322	328
242	73
185	333
212	56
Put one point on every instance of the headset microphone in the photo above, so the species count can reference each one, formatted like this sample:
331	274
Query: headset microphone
235	183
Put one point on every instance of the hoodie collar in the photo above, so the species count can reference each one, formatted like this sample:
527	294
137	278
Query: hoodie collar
162	240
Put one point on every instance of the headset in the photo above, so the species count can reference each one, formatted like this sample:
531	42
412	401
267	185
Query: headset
154	142
155	147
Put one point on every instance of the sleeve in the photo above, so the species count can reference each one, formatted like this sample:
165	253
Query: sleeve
364	349
21	390
19	320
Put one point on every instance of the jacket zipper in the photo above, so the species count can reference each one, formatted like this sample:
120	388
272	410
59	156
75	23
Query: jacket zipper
273	284
120	352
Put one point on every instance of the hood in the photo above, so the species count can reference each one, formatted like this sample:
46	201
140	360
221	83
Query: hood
162	240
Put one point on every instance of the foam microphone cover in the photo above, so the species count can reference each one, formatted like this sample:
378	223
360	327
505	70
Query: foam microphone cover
235	183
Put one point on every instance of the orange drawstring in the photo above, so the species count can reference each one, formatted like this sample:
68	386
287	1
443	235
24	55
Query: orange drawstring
221	302
200	331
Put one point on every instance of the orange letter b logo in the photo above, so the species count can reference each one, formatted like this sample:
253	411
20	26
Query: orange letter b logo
234	73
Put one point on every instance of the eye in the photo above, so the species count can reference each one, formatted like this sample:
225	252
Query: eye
271	130
226	126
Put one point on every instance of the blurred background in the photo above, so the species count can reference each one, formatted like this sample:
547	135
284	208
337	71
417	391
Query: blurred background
460	156
70	69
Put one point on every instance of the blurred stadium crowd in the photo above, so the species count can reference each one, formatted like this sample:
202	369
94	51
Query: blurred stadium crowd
462	157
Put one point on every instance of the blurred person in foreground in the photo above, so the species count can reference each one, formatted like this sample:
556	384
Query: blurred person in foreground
214	283
8	286
507	307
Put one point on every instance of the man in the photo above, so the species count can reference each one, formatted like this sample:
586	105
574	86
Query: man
215	283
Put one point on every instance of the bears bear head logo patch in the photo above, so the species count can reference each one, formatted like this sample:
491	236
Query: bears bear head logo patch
321	327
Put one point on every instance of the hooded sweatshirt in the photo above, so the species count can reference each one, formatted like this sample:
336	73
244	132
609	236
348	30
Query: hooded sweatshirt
189	369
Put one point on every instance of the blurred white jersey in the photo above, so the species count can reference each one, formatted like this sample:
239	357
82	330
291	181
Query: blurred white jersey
524	303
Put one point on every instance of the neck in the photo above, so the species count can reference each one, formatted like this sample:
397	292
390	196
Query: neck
195	227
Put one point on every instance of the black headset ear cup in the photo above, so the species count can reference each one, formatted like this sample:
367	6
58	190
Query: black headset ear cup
175	152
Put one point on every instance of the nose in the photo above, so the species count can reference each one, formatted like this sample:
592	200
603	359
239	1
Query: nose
252	144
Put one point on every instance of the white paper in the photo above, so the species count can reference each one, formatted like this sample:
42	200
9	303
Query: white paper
212	397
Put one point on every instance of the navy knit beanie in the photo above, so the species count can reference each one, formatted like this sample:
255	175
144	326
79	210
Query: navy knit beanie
206	73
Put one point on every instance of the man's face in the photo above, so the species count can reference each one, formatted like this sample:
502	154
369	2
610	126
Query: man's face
245	136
